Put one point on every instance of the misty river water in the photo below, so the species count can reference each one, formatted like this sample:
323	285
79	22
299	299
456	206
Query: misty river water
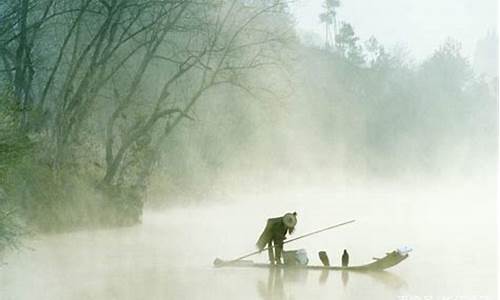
451	228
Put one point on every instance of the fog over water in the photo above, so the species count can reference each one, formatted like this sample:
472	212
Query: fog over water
170	255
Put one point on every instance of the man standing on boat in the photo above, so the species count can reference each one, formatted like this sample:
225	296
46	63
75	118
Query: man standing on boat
275	233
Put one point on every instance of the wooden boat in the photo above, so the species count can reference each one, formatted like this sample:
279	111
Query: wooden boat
391	259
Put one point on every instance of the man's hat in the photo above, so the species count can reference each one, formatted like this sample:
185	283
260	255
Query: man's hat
290	220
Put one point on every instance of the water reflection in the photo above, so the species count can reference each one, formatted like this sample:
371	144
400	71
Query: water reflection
279	280
274	288
390	280
345	278
323	278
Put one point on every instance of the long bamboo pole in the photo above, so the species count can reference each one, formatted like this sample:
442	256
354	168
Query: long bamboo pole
294	239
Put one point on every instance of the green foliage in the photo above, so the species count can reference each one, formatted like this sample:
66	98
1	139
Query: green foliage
35	197
330	7
11	230
447	70
95	96
394	116
347	44
14	147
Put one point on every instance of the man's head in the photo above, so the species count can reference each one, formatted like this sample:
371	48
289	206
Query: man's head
290	219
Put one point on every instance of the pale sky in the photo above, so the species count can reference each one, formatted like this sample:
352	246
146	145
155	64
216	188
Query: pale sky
419	25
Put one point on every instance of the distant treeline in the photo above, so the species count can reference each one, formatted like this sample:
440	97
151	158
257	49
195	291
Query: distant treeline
356	110
384	115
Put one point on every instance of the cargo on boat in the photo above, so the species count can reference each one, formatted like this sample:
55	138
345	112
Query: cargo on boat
391	259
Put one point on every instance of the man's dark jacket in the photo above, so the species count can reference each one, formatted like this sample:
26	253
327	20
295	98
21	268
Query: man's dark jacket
275	231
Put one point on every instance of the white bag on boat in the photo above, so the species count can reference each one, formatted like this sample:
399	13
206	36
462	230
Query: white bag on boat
295	257
404	250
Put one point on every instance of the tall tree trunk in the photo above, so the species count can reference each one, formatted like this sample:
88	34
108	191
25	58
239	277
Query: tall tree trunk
22	65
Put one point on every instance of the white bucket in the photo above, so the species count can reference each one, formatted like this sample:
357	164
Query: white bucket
295	257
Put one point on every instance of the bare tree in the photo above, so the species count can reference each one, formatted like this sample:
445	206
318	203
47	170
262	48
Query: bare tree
130	71
19	28
229	41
